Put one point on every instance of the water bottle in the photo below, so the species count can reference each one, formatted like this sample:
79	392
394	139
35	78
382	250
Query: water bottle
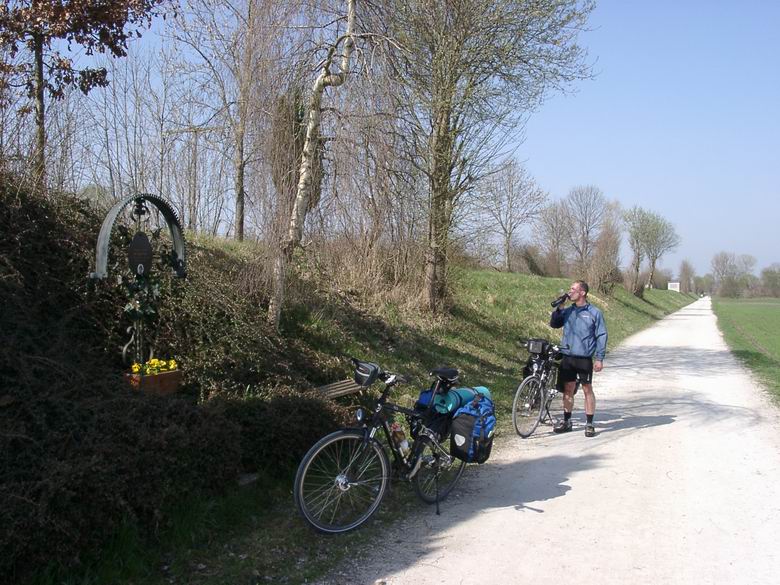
399	438
560	300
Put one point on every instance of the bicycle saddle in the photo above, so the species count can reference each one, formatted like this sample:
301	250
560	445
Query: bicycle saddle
445	374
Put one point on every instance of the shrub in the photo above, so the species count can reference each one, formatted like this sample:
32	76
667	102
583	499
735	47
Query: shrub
74	470
278	428
79	452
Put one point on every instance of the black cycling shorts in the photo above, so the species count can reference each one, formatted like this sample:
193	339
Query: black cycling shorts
573	368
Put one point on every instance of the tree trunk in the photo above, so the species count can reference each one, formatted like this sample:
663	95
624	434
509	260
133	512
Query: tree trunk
507	260
438	222
636	288
192	220
436	257
240	174
39	162
652	273
279	277
245	79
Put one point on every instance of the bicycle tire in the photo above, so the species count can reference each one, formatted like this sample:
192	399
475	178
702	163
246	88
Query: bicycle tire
433	460
330	495
528	406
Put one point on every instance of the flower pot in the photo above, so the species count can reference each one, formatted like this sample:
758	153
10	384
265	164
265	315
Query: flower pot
160	384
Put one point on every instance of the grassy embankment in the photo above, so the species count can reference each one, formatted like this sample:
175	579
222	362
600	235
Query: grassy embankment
254	534
750	327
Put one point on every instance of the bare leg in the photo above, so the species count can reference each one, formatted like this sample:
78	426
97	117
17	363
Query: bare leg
568	396
590	399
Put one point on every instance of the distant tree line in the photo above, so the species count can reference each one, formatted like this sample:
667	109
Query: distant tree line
734	276
578	236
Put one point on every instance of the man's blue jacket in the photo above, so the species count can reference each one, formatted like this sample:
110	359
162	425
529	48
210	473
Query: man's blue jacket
584	331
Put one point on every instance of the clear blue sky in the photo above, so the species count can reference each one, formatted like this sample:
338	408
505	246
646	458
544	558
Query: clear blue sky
683	118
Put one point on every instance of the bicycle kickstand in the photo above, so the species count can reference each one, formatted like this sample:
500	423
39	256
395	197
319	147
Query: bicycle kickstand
436	481
547	418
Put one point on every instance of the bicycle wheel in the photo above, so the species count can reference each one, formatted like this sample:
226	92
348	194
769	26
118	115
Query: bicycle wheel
433	461
528	406
341	481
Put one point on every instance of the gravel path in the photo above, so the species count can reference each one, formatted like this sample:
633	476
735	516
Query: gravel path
681	484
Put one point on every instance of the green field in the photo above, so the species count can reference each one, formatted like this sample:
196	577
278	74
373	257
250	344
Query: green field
751	328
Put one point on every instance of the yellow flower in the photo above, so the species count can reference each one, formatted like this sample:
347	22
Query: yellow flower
154	366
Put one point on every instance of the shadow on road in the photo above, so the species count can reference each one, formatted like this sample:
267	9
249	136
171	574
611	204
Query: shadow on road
611	421
524	482
523	486
671	360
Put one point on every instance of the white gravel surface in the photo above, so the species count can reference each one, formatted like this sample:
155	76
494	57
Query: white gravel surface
681	484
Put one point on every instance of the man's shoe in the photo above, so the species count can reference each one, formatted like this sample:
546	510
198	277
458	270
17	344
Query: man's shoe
563	426
590	431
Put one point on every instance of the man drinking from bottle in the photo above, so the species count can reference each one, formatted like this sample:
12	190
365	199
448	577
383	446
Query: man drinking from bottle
585	343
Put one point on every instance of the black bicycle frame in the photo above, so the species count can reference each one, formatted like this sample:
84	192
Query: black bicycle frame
379	420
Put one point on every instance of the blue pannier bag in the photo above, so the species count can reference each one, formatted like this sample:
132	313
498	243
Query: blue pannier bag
473	426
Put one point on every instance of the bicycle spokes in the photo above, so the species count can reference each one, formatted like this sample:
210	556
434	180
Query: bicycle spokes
436	467
341	482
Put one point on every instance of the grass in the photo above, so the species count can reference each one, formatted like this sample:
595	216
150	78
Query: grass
253	534
750	328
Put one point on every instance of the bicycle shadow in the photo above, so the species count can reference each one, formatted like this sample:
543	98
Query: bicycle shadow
527	486
518	484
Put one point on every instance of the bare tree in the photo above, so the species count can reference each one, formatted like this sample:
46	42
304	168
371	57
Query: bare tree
550	232
770	280
733	275
510	199
746	264
231	41
585	208
661	278
637	223
724	264
660	238
373	206
687	277
604	266
285	150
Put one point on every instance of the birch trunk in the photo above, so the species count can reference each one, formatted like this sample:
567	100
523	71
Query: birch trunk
652	273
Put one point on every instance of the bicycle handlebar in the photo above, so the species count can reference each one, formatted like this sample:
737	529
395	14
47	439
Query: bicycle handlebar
389	378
